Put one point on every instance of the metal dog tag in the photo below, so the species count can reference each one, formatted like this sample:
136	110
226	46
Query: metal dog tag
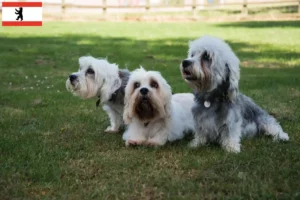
207	104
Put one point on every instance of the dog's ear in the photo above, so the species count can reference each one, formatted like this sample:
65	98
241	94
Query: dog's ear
206	61
168	109
168	99
115	84
233	79
111	84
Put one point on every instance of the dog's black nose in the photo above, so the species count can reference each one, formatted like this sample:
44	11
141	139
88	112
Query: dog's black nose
186	63
144	91
72	77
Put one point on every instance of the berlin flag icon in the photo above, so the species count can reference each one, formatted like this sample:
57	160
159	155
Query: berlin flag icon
22	13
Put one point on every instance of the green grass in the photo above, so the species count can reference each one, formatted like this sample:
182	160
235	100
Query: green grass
52	144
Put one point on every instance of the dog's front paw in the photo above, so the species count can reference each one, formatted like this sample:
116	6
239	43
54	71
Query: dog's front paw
193	144
111	130
197	141
232	148
154	143
133	143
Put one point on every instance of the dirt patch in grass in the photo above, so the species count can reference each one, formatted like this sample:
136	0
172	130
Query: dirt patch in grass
13	112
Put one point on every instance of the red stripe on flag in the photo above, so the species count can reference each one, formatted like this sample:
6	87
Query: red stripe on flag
22	23
22	4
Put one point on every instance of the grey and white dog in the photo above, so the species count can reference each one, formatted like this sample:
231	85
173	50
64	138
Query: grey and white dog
221	113
97	78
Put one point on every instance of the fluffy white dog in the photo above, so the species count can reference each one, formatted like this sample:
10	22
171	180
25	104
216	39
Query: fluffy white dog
101	79
222	114
152	113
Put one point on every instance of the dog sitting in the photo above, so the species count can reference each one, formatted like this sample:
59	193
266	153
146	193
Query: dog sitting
101	79
153	115
221	113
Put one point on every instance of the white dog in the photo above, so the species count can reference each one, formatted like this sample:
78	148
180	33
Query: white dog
153	115
101	79
222	114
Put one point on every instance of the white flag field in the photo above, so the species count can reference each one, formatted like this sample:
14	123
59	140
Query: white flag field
22	13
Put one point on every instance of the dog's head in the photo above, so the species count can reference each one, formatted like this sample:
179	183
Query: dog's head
147	96
209	63
95	77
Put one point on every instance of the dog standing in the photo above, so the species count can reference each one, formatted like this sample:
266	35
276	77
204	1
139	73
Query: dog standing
101	79
221	113
153	115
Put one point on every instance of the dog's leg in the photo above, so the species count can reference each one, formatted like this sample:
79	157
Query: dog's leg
118	120
159	139
271	127
114	118
133	143
199	139
230	137
134	135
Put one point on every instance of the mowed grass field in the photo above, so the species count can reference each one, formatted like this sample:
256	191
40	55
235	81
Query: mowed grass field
53	145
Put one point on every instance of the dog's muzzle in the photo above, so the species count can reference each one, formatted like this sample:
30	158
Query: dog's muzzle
186	69
144	107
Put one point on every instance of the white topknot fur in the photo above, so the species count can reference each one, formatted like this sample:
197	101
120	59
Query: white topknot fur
152	113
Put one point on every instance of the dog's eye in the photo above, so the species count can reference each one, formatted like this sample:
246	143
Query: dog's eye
90	71
153	84
192	55
136	85
205	56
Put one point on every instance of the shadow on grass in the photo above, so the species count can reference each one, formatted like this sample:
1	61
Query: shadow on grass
261	24
68	48
281	9
58	56
256	10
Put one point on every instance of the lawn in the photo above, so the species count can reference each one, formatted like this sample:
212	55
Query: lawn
52	145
